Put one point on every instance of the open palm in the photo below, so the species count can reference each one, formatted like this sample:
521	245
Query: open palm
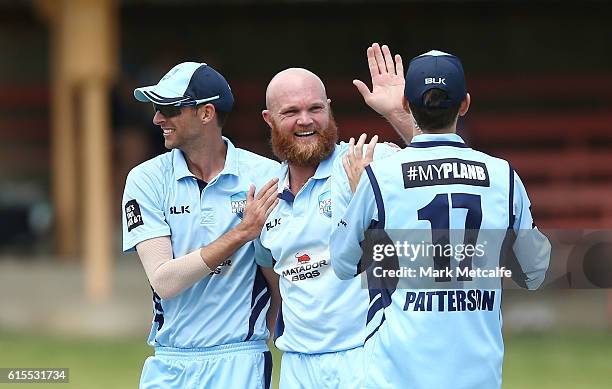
387	81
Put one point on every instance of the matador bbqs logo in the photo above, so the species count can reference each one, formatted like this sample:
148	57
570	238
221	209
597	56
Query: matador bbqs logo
325	204
302	258
238	202
305	266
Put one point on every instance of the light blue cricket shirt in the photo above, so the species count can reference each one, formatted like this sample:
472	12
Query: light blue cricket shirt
162	198
435	338
320	313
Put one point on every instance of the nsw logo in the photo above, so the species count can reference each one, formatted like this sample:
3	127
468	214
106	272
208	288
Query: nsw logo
238	202
325	204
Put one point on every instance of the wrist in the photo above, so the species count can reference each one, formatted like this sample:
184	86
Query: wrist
397	115
243	232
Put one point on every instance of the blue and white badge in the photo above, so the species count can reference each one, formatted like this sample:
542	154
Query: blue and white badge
238	202
325	203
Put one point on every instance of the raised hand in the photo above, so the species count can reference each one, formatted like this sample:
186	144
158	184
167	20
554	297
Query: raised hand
387	81
355	161
387	95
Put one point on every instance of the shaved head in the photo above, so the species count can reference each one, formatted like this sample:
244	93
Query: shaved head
299	115
290	82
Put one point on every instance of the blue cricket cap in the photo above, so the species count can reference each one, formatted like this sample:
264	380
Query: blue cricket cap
189	82
435	70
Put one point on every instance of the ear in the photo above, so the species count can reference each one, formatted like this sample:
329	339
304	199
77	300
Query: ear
206	113
465	105
267	117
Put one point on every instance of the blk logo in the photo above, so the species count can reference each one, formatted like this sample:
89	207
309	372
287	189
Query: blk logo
177	211
438	80
271	224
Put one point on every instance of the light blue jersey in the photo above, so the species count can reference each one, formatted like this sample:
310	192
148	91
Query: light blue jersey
445	335
163	198
320	313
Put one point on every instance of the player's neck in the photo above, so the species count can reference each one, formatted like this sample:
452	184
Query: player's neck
452	129
206	160
298	175
442	131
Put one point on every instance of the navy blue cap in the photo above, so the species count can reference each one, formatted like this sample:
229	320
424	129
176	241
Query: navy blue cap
189	82
435	70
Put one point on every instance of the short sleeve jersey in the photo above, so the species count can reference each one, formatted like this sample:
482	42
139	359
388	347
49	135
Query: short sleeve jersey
320	313
429	336
163	198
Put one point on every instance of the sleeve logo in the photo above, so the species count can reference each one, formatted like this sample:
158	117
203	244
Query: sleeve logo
133	216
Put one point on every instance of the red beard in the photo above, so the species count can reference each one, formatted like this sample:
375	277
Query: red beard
286	148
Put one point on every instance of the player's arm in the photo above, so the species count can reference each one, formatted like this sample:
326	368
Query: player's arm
346	173
169	276
387	93
347	235
256	212
275	297
264	259
531	247
356	159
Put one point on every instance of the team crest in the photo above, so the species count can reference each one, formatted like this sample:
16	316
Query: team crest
238	202
325	204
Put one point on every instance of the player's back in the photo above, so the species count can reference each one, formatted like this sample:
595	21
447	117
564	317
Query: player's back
448	206
421	182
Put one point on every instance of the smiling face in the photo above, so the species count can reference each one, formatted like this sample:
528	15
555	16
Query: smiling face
303	129
181	130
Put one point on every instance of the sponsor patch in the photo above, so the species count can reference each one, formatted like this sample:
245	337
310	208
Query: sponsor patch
133	216
302	258
305	268
176	210
238	202
303	265
444	172
271	224
325	204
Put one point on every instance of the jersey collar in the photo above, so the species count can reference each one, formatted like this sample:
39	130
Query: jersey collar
284	191
432	140
231	162
323	171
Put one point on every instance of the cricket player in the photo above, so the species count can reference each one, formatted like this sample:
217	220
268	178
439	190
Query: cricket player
441	329
322	322
192	214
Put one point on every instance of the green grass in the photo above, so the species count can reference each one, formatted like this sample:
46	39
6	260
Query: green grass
567	360
538	361
92	363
